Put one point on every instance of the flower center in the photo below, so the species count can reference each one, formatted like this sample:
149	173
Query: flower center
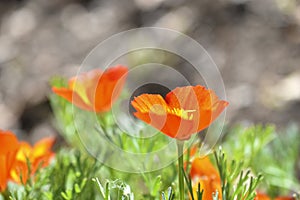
185	114
163	110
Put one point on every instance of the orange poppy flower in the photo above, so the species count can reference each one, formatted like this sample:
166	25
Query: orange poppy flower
183	112
95	90
9	145
203	172
38	156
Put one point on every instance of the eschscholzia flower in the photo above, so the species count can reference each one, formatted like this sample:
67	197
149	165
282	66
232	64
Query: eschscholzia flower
16	157
204	172
95	90
183	112
9	146
38	156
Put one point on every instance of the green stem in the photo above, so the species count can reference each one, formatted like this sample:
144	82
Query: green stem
180	145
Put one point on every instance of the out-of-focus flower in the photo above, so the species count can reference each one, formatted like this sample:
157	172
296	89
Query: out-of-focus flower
34	157
9	146
183	112
204	172
262	196
17	157
95	90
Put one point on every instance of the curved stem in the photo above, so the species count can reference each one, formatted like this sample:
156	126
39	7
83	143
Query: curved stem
180	145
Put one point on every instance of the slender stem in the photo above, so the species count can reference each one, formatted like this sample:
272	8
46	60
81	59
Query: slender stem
180	145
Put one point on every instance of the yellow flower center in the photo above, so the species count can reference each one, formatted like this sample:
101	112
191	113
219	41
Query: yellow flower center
162	110
185	114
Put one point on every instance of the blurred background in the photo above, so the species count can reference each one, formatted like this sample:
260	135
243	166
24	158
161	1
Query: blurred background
255	44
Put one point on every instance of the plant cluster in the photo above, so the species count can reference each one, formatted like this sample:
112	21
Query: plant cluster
248	163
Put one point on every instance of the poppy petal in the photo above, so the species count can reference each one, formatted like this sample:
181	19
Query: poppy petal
186	110
150	102
43	146
186	98
3	173
204	172
95	90
8	142
109	87
72	97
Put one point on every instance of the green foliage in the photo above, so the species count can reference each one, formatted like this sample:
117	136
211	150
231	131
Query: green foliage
114	190
91	126
153	184
64	115
170	195
248	152
265	151
189	184
236	182
68	177
246	143
73	174
279	160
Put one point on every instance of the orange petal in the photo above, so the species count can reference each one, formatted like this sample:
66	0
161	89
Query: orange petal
9	145
203	167
179	128
43	146
153	109
3	173
72	97
8	142
84	85
203	171
210	108
171	125
39	153
95	90
204	102
24	152
186	97
18	170
115	73
42	153
147	102
109	88
185	110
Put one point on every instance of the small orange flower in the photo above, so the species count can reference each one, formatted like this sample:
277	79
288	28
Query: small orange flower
95	90
203	172
38	156
184	111
9	145
15	157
